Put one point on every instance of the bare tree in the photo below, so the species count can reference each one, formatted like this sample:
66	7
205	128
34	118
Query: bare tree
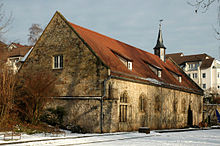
34	33
34	93
203	6
5	21
7	86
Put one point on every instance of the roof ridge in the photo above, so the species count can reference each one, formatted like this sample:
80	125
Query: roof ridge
109	37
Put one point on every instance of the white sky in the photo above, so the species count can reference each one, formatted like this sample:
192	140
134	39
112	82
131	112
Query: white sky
131	21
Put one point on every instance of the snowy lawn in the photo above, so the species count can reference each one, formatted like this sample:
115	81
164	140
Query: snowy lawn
200	137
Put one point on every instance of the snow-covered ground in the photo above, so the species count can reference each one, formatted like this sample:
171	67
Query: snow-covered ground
199	137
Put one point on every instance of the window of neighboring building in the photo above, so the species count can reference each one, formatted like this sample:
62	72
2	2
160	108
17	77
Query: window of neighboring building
123	107
204	86
189	75
195	75
218	87
190	66
203	75
196	66
193	66
58	61
218	75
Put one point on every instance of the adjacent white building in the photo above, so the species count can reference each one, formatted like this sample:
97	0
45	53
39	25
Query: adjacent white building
202	68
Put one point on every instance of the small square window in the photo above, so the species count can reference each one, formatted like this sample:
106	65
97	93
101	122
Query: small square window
129	65
195	75
58	61
203	75
180	79
159	73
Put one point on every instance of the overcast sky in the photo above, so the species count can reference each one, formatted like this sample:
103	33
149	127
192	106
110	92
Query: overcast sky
134	22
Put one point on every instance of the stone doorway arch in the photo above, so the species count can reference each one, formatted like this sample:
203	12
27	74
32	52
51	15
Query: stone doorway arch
190	117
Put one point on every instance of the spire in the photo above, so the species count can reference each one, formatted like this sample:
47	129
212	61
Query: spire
159	49
160	39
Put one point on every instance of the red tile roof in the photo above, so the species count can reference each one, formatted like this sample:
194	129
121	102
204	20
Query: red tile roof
21	51
180	59
104	47
3	52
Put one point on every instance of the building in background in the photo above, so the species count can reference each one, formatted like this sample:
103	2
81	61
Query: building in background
201	68
13	55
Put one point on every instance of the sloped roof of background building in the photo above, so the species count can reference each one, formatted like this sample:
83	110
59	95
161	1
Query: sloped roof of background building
179	58
104	47
20	51
3	51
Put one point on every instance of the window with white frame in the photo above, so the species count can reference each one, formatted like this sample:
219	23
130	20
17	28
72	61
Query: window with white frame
204	86
180	79
129	65
193	66
58	62
190	66
194	75
203	75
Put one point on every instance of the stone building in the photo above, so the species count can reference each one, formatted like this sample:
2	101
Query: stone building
106	85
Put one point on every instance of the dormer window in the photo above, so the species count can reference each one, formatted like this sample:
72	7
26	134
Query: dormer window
175	75
180	79
129	65
157	70
159	73
125	60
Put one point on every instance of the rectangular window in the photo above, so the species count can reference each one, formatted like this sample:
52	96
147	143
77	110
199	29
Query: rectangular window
204	86
203	75
196	66
58	62
195	75
193	66
180	79
218	87
123	113
129	65
159	73
218	75
189	75
190	66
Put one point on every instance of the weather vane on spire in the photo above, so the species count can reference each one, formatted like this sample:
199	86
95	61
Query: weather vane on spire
161	20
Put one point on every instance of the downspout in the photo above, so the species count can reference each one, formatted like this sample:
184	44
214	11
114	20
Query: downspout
101	100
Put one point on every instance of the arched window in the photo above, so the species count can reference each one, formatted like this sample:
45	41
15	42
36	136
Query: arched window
123	107
183	105
142	103
157	104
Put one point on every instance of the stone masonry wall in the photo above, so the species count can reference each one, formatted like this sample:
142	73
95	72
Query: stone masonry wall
210	116
163	108
82	74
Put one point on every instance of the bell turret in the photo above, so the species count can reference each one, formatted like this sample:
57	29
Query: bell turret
160	49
